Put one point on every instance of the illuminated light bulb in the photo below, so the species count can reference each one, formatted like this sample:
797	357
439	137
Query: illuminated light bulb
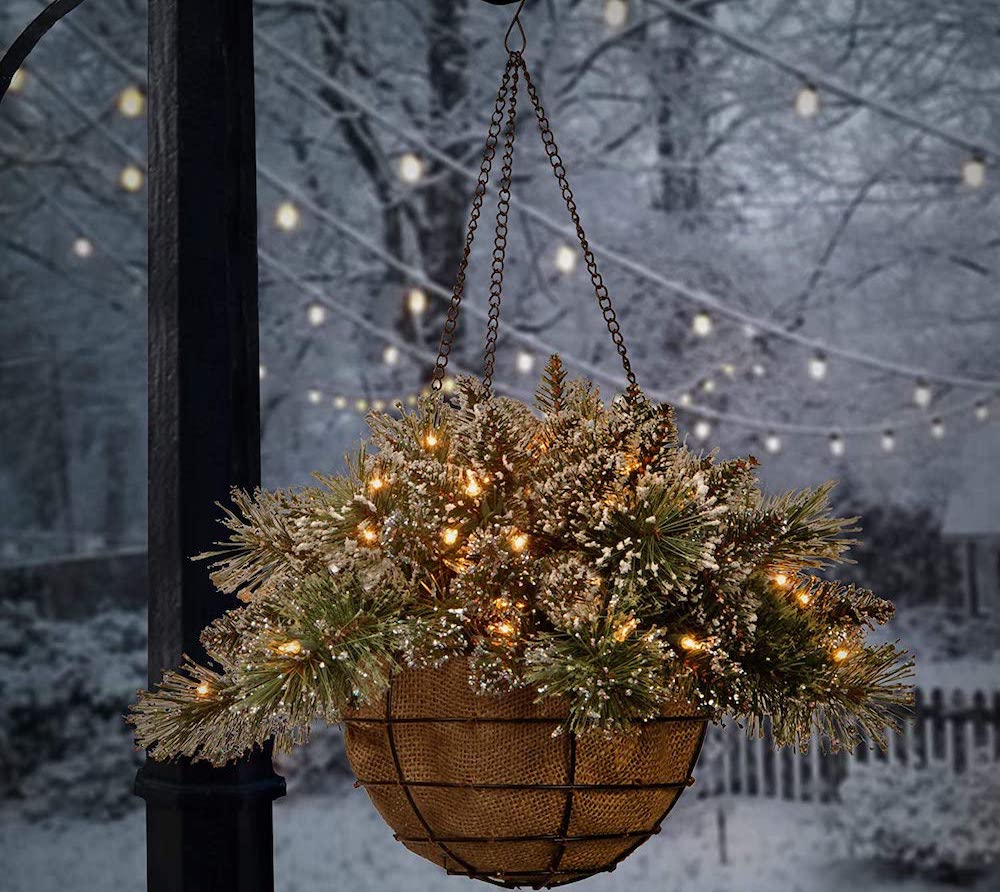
518	541
937	429
203	689
375	484
708	385
368	535
685	399
525	362
425	392
772	443
807	102
565	259
688	642
836	445
472	487
361	405
728	369
922	394
750	331
430	440
131	102
817	367
314	395
131	178
448	384
702	429
615	13
411	168
18	80
520	605
888	441
780	579
625	629
803	598
290	648
416	301
411	399
501	629
841	654
340	402
974	172
316	314
262	371
287	216
758	370
390	356
701	324
449	535
83	247
982	411
378	406
501	603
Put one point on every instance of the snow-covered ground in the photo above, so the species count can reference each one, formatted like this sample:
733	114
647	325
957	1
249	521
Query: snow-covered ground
338	841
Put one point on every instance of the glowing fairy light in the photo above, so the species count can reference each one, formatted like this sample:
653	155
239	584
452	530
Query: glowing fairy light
340	401
625	629
922	394
316	314
368	535
448	384
974	172
411	168
518	542
685	399
290	648
772	443
361	405
708	385
728	369
780	579
758	370
837	447
937	429
472	487
702	429
501	629
565	259
131	178
430	439
525	362
803	598
888	441
982	411
131	102
750	331
817	367
701	324
378	405
287	216
83	247
203	689
689	642
807	101
416	301
841	654
390	356
314	395
449	535
375	484
615	13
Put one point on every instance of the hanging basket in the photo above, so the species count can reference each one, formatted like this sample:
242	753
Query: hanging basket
481	786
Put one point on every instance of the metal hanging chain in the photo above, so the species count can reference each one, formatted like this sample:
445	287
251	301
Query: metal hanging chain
500	238
600	289
489	152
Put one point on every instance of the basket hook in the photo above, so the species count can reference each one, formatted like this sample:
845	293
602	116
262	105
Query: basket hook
516	21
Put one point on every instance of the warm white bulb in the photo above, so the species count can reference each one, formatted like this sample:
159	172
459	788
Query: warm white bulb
922	395
416	301
287	216
18	80
131	102
701	324
361	405
340	402
448	384
83	247
708	385
974	172
758	370
525	362
390	356
807	102
131	178
378	405
836	445
316	314
982	411
728	369
888	441
749	331
772	443
685	399
817	367
615	13
314	395
411	399
411	168
565	259
702	429
937	429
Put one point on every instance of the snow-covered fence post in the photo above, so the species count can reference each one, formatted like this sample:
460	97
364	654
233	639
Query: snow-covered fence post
206	828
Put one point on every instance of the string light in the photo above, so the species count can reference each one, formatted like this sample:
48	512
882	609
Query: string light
131	102
702	429
416	301
974	172
701	324
390	356
316	314
314	395
888	441
807	101
615	13
340	402
501	629
803	598
449	535
369	535
18	81
287	216
772	443
518	541
430	440
625	629
361	405
728	369
472	487
203	689
290	648
750	331
689	642
378	406
411	168
131	178
922	394
758	370
565	259
262	371
83	247
817	367
836	445
937	429
708	385
685	399
525	362
841	654
780	579
982	411
375	484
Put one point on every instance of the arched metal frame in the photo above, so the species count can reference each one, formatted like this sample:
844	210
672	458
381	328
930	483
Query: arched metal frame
26	41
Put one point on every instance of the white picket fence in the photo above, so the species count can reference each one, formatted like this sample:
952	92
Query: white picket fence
949	732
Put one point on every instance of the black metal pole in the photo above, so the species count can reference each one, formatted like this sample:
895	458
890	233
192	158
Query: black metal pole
207	829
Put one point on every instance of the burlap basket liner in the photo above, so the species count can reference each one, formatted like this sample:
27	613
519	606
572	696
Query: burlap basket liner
479	785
